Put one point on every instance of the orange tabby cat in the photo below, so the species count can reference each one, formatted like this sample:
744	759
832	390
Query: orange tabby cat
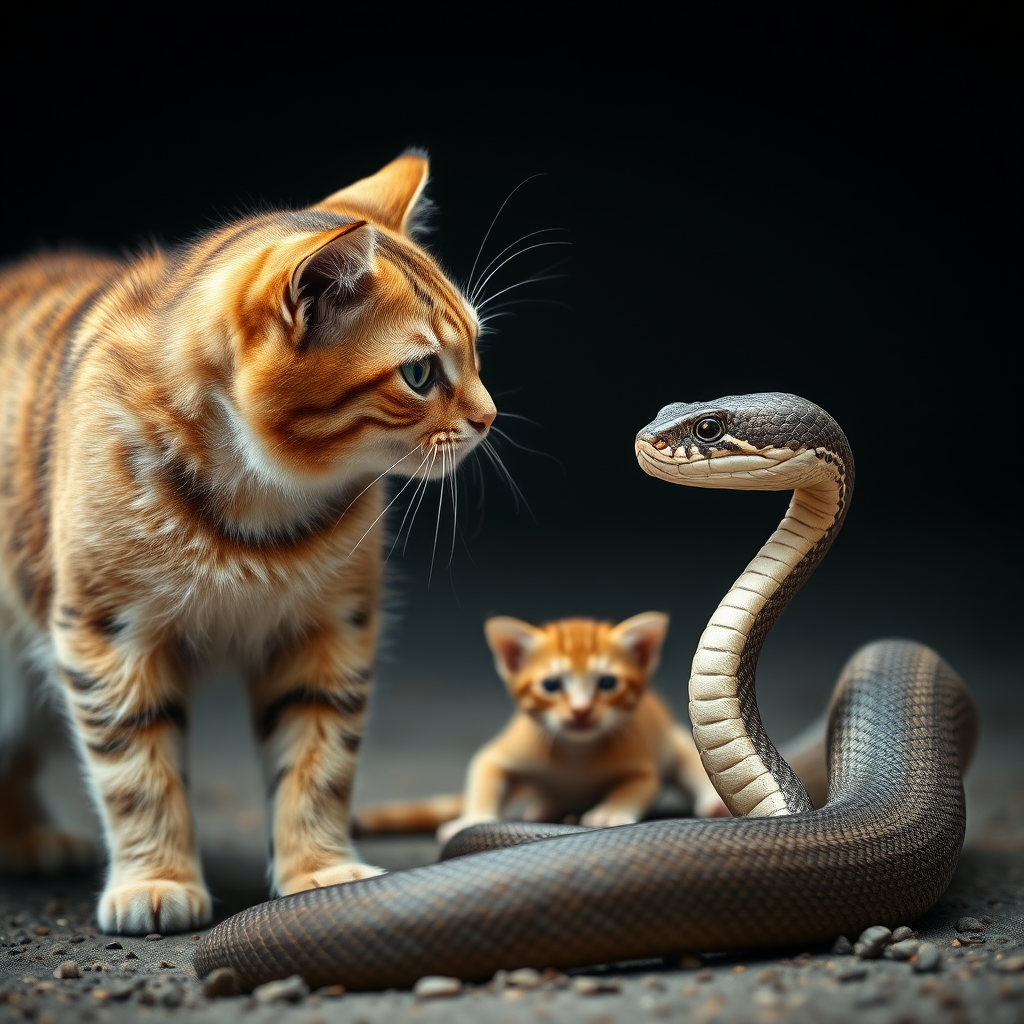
588	738
191	468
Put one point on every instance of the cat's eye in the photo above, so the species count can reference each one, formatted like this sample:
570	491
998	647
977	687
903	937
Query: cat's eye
607	683
709	429
551	685
419	375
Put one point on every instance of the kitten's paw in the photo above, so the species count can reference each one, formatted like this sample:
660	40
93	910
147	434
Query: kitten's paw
334	874
141	907
605	817
450	828
47	851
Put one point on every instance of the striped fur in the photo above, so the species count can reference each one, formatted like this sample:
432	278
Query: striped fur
191	461
588	739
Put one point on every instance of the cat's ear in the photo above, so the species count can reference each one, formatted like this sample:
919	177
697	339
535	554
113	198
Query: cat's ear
511	641
393	197
323	271
641	637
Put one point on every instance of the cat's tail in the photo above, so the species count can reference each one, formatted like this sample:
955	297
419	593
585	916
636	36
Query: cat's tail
407	815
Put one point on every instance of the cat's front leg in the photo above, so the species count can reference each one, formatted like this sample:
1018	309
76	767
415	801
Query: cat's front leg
129	716
309	708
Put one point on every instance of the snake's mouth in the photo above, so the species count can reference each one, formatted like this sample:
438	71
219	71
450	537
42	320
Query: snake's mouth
769	469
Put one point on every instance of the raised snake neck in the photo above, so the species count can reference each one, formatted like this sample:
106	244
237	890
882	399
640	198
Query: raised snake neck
881	851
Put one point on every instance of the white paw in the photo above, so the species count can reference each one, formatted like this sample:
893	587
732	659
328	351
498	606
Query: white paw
450	828
333	874
155	905
605	817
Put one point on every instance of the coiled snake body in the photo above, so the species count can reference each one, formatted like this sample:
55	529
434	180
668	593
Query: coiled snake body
881	851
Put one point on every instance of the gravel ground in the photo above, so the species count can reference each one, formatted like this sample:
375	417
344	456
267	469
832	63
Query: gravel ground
964	961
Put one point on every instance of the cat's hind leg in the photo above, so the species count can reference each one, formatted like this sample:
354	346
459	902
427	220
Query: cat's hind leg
309	708
29	841
127	706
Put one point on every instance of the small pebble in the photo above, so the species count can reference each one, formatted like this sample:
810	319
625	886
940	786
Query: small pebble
68	969
852	974
871	942
595	986
222	981
330	991
120	993
926	958
77	937
113	945
41	929
689	962
436	986
903	950
524	977
153	937
903	932
1011	964
842	946
969	924
167	963
289	990
173	997
131	956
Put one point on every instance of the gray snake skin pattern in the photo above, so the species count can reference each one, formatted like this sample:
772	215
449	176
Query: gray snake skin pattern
881	851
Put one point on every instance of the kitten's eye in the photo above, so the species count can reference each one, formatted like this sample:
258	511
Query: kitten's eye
709	429
607	683
420	374
551	685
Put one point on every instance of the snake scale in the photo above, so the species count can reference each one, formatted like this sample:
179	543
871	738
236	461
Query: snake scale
881	850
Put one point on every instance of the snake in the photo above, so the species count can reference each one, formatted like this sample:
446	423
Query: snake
779	873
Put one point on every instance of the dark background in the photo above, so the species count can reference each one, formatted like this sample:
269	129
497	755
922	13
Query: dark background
822	199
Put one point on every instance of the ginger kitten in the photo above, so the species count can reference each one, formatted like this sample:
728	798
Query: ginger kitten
588	739
191	468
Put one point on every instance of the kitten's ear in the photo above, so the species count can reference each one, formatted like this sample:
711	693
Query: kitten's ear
511	640
390	197
323	272
642	637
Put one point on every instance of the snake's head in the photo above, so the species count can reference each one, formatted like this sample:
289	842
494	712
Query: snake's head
769	441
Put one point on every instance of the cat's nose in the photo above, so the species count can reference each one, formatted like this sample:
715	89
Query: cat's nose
483	416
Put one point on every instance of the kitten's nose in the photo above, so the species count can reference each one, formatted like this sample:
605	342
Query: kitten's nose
581	714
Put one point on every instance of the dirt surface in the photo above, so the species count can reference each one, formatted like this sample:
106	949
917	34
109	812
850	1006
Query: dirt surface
966	957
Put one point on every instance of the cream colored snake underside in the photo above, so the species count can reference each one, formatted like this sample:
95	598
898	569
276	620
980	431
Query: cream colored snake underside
881	851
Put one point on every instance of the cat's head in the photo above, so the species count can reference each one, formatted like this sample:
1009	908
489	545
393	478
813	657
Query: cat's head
341	348
580	679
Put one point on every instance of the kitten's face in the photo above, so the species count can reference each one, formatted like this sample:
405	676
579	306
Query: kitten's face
353	354
579	679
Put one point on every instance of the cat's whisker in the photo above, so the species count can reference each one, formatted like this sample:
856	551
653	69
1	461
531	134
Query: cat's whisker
538	245
544	276
474	292
379	515
539	174
455	511
345	510
423	490
421	483
523	447
497	460
437	525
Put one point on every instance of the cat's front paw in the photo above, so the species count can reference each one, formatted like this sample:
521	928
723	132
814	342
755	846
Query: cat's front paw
156	905
334	874
450	828
46	850
605	817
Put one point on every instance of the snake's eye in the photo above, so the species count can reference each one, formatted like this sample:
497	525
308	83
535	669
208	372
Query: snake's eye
708	429
551	685
418	375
